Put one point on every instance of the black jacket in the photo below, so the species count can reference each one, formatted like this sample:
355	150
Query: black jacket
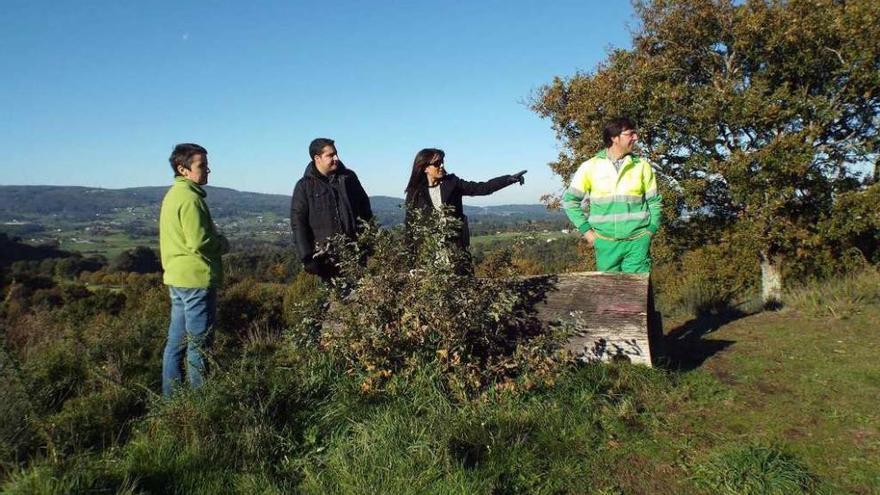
322	207
452	189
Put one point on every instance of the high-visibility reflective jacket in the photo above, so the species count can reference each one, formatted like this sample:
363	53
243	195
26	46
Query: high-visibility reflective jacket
621	204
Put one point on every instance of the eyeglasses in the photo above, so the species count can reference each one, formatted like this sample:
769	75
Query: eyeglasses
435	164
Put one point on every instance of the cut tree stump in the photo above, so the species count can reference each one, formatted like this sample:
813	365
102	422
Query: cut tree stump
612	314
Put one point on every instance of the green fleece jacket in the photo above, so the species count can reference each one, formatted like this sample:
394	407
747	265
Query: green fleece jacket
189	244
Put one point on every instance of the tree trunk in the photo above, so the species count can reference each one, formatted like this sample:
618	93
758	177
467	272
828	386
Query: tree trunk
877	170
771	279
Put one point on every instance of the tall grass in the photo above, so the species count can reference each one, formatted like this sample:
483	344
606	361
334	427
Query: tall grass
291	422
287	412
756	470
839	297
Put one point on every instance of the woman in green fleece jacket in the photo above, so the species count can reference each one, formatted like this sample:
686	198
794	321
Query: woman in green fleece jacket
191	250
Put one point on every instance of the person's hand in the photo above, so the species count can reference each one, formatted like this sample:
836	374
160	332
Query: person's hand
590	236
518	177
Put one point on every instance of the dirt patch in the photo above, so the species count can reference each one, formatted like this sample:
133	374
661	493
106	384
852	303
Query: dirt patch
861	436
646	475
768	388
794	433
724	376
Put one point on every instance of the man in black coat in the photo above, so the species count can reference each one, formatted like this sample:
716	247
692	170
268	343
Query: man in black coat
430	187
327	200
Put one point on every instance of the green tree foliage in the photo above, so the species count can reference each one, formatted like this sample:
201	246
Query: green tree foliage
12	250
855	222
757	113
261	261
138	260
532	255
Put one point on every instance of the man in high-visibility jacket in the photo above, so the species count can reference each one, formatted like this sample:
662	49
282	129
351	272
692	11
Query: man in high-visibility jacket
613	202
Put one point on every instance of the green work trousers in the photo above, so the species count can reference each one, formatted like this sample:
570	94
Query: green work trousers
627	256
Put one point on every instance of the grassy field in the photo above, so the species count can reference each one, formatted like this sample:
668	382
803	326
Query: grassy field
110	245
808	385
768	403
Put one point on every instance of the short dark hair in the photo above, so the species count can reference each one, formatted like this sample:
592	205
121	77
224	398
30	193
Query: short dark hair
183	154
614	127
318	145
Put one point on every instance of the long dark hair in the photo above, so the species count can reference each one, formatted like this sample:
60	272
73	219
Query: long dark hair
417	179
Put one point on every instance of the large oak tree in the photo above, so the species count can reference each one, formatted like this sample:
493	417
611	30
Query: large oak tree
758	114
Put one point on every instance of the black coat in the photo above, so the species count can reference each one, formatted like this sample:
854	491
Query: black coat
452	189
322	207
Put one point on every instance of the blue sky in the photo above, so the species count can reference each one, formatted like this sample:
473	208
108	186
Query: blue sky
97	93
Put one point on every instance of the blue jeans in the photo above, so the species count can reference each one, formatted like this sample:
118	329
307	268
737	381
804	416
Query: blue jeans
193	312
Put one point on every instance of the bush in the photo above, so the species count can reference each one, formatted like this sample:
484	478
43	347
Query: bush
95	421
533	255
706	280
384	320
247	306
854	223
140	259
55	374
19	439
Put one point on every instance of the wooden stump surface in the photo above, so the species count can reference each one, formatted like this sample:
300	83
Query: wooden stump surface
609	312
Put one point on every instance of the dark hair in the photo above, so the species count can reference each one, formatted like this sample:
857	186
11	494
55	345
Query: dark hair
614	127
183	154
423	158
317	146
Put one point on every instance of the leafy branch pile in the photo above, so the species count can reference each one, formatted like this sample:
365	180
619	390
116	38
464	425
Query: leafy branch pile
416	303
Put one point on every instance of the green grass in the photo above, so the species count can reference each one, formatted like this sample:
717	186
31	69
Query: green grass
756	470
788	406
110	245
805	378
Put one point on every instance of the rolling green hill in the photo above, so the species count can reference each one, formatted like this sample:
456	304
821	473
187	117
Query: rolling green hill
77	203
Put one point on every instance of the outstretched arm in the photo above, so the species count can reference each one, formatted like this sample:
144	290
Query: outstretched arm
469	188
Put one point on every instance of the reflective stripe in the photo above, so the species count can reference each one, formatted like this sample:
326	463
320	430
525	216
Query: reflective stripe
619	217
571	204
574	192
616	198
650	194
574	198
633	237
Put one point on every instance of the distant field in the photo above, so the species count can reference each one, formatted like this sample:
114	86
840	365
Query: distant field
269	228
108	245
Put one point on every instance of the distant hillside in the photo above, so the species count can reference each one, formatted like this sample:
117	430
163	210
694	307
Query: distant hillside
78	203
